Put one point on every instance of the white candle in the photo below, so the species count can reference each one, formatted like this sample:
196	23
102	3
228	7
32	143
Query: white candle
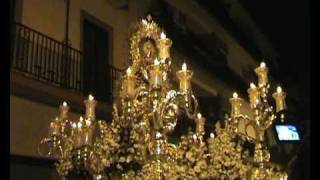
200	124
262	72
236	104
184	76
129	84
254	95
64	108
90	107
279	97
155	74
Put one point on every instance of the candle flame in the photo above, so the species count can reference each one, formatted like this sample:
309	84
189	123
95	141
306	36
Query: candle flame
144	22
129	71
252	86
91	97
79	125
81	118
262	64
74	125
194	137
88	122
279	89
156	62
163	35
158	135
184	67
64	104
235	95
199	116
211	135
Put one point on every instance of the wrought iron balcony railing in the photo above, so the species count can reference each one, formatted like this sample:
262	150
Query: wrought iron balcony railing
43	58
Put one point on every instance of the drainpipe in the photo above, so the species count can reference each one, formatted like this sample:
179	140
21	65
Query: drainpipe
66	64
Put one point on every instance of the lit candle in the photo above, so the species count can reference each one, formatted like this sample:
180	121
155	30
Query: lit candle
184	76
90	107
279	97
200	124
194	137
254	95
144	22
164	45
88	122
236	104
73	128
91	98
163	35
54	128
87	136
129	84
155	74
262	72
211	135
78	136
64	108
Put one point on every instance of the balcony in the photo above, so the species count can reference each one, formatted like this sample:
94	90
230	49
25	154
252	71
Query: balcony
49	71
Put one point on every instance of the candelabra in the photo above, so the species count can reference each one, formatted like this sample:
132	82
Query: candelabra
135	143
263	117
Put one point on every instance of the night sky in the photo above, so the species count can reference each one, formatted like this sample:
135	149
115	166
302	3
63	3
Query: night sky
287	25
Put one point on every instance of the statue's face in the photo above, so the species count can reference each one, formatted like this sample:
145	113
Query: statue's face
148	49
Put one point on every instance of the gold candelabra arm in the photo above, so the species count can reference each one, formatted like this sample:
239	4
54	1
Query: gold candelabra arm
191	107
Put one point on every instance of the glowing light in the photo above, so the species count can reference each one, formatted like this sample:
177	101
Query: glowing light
184	67
64	104
163	35
88	122
199	116
194	137
129	71
74	125
79	125
156	62
144	22
235	95
252	86
91	97
279	89
262	64
158	135
211	135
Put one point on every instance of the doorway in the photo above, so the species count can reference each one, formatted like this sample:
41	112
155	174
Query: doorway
96	46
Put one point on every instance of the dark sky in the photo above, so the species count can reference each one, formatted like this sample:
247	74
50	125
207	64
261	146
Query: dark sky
287	26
